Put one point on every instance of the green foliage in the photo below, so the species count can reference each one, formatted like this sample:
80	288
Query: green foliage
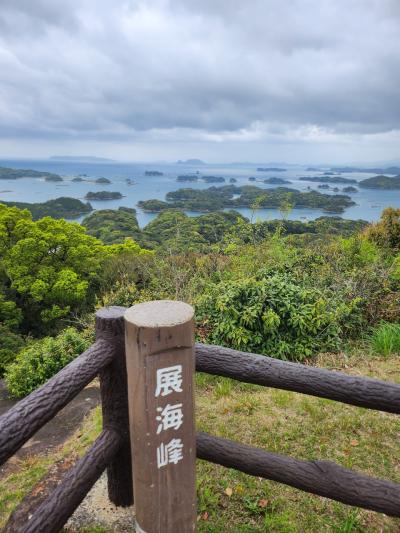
217	198
113	226
385	339
386	232
50	267
63	207
176	232
103	195
10	315
41	360
381	182
13	174
275	315
10	344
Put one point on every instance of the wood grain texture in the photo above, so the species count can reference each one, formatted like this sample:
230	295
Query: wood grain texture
165	496
269	372
318	477
53	513
110	327
23	420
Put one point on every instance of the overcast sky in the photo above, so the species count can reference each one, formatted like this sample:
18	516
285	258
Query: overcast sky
307	81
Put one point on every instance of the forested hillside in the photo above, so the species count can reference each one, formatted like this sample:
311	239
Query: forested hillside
320	292
289	288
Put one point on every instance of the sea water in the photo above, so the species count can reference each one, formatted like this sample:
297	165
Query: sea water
369	202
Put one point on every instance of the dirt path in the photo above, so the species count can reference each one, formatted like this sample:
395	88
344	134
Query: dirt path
56	431
96	510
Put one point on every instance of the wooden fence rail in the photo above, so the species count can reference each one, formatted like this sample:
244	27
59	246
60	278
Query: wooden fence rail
145	358
324	478
270	372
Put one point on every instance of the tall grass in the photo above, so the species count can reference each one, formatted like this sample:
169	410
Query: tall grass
385	340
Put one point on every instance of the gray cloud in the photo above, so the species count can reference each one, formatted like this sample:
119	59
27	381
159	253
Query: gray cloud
95	69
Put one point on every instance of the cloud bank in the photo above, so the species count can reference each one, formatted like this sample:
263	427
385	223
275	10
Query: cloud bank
210	72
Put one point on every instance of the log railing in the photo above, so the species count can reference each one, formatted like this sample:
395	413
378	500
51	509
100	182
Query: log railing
146	361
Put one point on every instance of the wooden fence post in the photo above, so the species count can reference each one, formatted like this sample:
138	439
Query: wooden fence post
160	361
114	402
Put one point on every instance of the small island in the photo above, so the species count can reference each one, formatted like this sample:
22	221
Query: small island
271	169
381	182
78	179
63	207
350	189
276	181
213	179
103	195
231	196
102	180
15	173
53	177
187	177
232	180
195	162
153	173
387	170
327	179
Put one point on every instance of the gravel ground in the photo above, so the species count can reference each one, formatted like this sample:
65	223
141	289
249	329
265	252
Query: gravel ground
97	510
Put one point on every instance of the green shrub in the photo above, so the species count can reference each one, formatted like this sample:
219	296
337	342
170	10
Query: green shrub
275	315
39	361
385	340
10	344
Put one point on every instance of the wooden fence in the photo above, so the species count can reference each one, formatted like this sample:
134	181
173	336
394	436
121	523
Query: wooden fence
145	358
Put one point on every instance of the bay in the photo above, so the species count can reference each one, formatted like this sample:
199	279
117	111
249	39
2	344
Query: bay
369	202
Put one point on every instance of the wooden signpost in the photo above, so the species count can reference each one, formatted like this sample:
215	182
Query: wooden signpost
160	362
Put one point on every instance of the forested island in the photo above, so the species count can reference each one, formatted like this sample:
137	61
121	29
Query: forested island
103	180
15	173
231	196
376	170
190	162
195	178
327	179
114	226
325	293
63	207
54	178
381	182
153	173
103	195
271	169
187	178
276	181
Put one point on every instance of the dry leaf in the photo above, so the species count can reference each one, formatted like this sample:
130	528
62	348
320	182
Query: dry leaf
228	491
263	503
204	516
354	442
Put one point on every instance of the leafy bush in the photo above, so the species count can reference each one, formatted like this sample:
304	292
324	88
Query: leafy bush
386	232
10	344
385	340
39	361
275	315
